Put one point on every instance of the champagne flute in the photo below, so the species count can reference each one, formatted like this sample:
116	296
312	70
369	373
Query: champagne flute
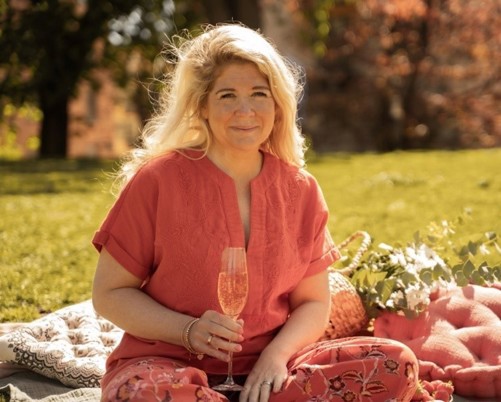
232	290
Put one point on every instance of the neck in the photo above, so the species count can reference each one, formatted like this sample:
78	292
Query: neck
237	166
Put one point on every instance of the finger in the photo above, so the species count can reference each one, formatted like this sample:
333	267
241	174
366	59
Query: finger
264	391
254	393
222	326
230	325
225	345
228	334
219	354
252	388
208	328
244	394
223	320
211	317
211	349
219	348
209	339
278	383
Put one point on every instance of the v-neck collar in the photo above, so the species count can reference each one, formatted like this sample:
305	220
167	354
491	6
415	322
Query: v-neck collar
227	189
265	177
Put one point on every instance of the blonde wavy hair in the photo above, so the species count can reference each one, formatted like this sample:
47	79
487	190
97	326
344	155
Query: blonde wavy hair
178	123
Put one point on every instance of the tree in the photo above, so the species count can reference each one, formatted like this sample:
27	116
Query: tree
399	74
47	46
245	11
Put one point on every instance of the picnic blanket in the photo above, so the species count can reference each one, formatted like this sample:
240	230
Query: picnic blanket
458	339
57	358
61	357
70	345
28	386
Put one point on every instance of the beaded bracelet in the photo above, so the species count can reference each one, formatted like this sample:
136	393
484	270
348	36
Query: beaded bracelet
186	339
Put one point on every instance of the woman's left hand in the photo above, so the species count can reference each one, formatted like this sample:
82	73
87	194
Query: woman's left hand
268	375
309	305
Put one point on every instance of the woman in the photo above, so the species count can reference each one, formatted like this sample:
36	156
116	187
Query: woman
222	165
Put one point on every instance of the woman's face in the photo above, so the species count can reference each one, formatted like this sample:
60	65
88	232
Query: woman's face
240	108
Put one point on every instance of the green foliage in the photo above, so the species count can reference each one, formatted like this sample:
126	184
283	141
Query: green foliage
323	17
10	148
50	209
402	278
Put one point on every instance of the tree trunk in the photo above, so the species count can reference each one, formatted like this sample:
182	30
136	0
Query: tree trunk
54	130
413	104
247	12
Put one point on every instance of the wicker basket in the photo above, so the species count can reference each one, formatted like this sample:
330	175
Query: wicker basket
348	316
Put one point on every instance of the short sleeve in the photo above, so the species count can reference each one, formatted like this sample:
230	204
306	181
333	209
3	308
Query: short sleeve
128	231
324	251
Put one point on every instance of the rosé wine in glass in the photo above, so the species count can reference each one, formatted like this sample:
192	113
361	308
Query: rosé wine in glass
232	290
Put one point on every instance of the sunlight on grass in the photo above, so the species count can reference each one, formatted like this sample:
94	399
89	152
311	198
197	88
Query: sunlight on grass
48	219
393	195
50	210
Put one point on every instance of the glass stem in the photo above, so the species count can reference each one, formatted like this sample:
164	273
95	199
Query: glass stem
229	380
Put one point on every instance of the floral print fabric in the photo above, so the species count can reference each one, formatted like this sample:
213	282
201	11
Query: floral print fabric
358	369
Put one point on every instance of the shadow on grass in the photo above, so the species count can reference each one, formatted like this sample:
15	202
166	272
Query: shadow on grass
31	177
54	165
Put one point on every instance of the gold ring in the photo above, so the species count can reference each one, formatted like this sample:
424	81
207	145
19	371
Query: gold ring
209	340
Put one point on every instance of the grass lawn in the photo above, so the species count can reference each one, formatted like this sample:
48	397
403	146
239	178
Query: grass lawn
393	195
49	211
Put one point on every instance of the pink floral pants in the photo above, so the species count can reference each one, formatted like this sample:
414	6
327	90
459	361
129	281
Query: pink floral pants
360	369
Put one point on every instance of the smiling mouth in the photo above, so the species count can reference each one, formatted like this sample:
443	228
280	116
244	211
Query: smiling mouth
245	128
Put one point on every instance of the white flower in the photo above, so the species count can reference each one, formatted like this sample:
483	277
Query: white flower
398	258
447	230
443	284
483	249
396	299
421	257
431	255
413	268
417	297
386	247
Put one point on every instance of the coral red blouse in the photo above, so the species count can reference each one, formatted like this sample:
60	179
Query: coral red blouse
171	223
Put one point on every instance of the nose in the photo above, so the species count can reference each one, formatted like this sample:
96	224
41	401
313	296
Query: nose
244	106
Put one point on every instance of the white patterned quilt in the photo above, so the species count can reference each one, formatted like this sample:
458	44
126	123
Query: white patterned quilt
70	345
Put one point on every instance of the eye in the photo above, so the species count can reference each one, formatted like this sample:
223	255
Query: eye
227	95
259	94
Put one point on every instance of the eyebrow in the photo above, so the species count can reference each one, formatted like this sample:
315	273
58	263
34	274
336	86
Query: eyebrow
259	87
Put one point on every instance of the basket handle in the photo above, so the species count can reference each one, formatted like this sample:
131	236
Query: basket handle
364	246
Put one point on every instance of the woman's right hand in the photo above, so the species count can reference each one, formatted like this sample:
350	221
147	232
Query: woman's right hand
117	296
216	334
